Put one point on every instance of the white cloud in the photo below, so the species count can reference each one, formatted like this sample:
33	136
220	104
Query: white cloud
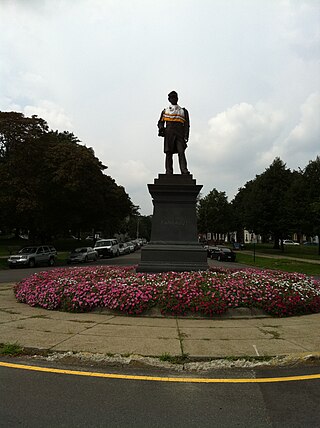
243	140
54	115
304	139
137	172
136	175
295	29
103	68
238	140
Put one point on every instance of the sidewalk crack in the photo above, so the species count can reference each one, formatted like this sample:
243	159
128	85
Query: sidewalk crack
180	337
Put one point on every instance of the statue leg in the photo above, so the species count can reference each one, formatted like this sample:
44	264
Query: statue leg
169	163
181	147
183	163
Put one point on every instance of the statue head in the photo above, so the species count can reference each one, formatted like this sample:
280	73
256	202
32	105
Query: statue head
173	97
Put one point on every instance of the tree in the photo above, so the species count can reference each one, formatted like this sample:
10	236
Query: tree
16	129
20	159
311	178
139	226
261	202
295	200
214	213
52	184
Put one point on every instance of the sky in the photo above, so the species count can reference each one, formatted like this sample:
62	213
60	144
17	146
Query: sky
247	71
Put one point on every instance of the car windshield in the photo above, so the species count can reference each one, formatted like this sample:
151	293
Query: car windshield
28	250
103	244
80	250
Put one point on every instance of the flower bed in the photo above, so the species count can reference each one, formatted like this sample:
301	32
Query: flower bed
209	293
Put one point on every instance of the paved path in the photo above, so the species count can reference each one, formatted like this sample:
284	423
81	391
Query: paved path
239	334
282	256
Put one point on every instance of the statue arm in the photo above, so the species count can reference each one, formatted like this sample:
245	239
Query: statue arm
186	125
161	128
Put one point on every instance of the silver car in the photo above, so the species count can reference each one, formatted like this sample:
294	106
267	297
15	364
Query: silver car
33	255
82	255
131	246
107	248
124	248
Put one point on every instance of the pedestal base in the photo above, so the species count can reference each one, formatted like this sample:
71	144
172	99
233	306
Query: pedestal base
174	240
162	257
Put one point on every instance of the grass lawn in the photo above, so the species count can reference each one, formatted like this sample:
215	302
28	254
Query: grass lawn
285	265
300	251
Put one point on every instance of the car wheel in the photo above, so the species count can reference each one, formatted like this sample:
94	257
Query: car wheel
86	259
32	263
51	261
118	253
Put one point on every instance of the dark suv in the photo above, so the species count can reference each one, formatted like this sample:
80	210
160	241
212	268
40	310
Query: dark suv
221	254
33	255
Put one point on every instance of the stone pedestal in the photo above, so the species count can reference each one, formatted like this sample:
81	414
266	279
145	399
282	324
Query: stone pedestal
174	239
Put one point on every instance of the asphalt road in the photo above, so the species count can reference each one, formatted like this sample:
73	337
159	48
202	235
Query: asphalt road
17	274
37	399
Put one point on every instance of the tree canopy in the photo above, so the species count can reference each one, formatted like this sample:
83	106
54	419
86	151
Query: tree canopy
261	202
214	213
51	184
276	203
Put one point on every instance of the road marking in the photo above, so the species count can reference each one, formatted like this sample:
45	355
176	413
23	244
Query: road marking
159	379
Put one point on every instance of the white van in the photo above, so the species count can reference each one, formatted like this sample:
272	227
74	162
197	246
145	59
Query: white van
107	248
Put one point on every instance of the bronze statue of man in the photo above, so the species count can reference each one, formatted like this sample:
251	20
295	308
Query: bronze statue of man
174	126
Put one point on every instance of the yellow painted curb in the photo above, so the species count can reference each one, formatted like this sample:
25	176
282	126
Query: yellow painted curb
159	379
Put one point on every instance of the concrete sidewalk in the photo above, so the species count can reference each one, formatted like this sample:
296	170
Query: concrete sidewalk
239	334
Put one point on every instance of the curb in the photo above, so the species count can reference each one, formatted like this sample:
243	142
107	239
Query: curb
174	363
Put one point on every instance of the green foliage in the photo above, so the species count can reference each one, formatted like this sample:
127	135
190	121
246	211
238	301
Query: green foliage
174	359
283	264
277	203
52	184
139	226
214	213
261	202
311	177
10	349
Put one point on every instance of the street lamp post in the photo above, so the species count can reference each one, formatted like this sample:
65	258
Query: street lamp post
254	240
138	221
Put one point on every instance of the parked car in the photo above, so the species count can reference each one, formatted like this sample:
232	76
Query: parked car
290	242
221	254
107	248
131	246
124	248
53	250
137	244
82	255
33	255
238	246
